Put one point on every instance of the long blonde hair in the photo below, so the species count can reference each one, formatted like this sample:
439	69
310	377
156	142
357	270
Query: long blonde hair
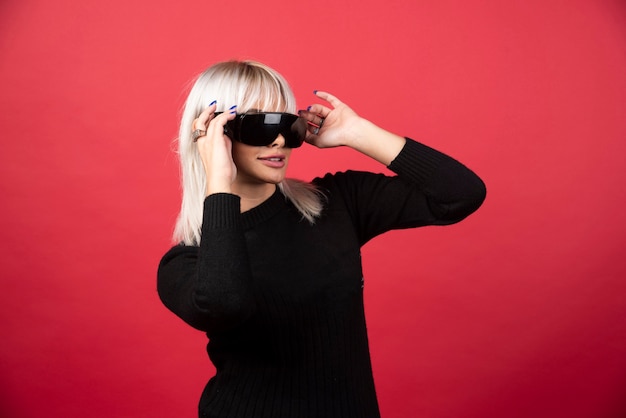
247	84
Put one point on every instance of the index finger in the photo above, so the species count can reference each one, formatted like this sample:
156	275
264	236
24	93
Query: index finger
217	124
205	116
328	97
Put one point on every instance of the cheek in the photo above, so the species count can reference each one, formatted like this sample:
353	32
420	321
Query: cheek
241	154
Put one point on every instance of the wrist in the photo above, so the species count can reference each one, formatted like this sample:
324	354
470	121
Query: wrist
359	133
375	142
214	188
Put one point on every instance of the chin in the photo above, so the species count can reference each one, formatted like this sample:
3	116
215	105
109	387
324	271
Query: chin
275	180
272	177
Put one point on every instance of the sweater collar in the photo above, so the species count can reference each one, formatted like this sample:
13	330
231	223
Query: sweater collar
265	210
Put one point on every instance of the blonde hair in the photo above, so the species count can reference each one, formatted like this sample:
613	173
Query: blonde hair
248	85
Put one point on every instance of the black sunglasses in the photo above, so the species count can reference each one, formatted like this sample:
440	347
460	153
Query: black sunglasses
261	129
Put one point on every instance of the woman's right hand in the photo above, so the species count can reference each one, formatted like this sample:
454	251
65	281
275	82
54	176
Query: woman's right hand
215	149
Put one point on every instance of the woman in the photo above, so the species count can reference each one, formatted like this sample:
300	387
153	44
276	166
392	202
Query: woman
270	267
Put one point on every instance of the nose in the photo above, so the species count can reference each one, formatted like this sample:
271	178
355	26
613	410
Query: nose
279	142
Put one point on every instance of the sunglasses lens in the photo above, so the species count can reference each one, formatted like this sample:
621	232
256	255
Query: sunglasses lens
296	134
261	129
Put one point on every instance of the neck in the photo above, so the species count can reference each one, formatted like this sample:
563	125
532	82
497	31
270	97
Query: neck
253	195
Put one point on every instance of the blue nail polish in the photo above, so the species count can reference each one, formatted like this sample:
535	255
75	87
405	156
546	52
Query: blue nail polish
315	91
308	108
232	107
213	102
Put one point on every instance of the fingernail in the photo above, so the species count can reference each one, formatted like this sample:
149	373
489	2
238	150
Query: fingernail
315	91
308	108
231	109
213	102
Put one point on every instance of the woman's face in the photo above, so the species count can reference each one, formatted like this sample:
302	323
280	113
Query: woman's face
261	165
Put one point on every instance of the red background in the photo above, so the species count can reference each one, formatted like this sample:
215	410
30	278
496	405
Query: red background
519	311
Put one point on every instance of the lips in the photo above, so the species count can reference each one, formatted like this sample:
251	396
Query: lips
274	161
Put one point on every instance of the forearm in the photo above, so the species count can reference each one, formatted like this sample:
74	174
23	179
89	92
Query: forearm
209	287
223	279
375	142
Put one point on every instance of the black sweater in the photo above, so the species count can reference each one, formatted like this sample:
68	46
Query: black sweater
281	300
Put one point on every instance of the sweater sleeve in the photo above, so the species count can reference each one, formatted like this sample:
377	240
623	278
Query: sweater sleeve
430	188
209	286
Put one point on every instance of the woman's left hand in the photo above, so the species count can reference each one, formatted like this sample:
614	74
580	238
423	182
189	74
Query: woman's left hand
339	125
331	126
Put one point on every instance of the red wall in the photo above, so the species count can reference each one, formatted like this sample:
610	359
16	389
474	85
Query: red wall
516	312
